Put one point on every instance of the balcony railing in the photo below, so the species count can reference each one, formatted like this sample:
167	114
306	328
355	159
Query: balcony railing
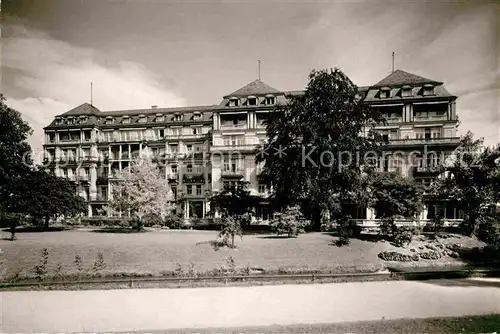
233	172
172	176
392	120
239	126
430	118
424	141
69	140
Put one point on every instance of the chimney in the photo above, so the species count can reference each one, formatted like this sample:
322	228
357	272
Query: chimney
154	107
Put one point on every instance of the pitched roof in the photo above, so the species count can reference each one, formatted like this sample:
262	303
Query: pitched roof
82	109
399	78
256	87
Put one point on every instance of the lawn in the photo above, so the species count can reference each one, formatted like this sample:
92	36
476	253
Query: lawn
156	252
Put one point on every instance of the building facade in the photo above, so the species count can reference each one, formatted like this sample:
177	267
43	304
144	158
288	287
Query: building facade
199	149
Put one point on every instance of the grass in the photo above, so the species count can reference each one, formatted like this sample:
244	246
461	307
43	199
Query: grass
160	252
452	325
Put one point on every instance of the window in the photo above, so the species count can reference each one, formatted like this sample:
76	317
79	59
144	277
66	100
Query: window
109	120
174	148
125	120
142	119
197	117
198	148
234	102
189	169
269	100
189	189
406	91
385	93
196	131
427	133
174	191
178	117
173	169
189	148
176	131
160	133
198	189
428	89
262	188
252	101
233	140
159	119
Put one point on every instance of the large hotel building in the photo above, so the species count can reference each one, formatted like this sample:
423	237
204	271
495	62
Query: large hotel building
201	148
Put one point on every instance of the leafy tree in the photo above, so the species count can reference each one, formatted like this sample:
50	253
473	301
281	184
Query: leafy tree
231	227
44	196
143	191
471	179
393	197
15	157
290	222
318	145
234	201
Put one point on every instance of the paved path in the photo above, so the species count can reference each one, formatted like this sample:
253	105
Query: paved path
156	309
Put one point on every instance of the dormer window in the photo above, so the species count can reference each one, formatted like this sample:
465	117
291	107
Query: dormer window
197	116
252	101
159	118
70	120
59	121
385	92
82	120
109	120
234	102
142	119
269	99
125	120
406	91
428	89
177	117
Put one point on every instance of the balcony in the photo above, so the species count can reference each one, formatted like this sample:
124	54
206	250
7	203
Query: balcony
425	141
232	126
238	173
425	118
88	158
172	176
394	120
185	136
69	140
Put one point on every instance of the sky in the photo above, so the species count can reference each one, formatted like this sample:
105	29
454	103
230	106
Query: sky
176	53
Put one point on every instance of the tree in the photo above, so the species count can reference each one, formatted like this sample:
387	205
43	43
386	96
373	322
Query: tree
235	201
231	227
15	155
290	222
470	179
43	196
141	191
393	197
315	141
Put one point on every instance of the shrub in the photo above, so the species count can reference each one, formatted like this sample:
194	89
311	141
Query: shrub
431	255
399	235
231	227
175	221
79	263
40	270
347	229
488	229
290	222
395	256
99	263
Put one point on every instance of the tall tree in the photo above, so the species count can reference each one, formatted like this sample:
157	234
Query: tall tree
15	153
471	179
143	191
318	145
233	200
43	196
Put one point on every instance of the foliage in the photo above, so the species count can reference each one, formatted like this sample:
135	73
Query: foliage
230	227
15	155
234	201
40	270
395	197
99	263
346	229
488	229
290	222
175	221
310	159
471	179
143	190
44	196
79	263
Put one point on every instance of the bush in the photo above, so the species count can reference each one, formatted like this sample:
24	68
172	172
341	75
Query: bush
431	255
290	222
231	227
395	256
175	221
488	229
399	235
347	229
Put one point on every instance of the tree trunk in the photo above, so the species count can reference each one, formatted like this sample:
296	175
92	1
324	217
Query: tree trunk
139	224
232	241
13	231
46	226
